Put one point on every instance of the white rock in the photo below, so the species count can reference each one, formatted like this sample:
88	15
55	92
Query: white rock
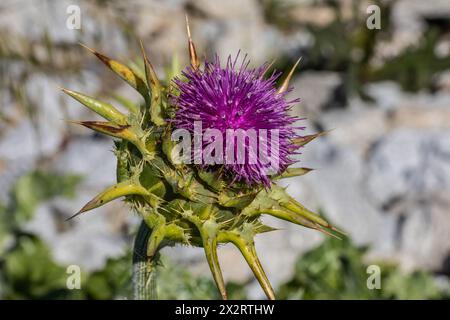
91	158
407	163
387	94
315	90
18	154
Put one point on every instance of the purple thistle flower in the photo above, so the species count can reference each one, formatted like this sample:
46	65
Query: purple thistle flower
237	97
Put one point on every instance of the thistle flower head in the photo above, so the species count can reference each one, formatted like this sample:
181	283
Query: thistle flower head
238	97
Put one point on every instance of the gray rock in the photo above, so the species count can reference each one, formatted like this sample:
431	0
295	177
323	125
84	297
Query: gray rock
408	177
423	240
387	94
422	110
18	154
33	20
335	189
42	93
224	34
442	81
407	163
92	159
53	108
358	127
316	91
19	143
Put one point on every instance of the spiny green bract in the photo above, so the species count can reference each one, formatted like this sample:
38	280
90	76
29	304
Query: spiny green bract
181	203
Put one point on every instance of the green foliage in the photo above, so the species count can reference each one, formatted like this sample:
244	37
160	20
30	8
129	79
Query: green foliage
5	226
336	270
174	283
111	282
417	66
415	286
36	187
28	272
274	12
29	191
177	283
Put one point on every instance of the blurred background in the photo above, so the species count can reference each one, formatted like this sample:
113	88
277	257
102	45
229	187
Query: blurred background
383	172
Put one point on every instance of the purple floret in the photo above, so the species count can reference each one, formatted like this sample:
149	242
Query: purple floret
237	97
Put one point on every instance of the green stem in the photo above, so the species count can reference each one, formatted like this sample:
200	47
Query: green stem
144	267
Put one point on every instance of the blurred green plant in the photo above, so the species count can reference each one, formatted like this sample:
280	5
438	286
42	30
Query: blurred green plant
178	283
30	190
27	270
274	12
111	282
417	66
336	269
36	187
